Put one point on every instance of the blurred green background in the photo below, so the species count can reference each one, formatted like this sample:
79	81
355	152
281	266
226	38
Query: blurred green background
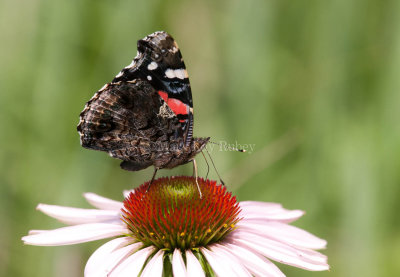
313	84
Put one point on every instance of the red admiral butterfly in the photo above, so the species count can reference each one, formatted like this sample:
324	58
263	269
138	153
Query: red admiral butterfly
145	115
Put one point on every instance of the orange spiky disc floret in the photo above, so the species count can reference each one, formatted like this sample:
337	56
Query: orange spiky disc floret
172	215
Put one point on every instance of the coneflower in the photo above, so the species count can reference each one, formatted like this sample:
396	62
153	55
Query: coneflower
170	231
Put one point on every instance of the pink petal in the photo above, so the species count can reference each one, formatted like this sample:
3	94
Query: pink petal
277	251
193	266
284	217
75	234
282	232
109	255
236	264
73	216
268	212
215	263
178	265
221	264
256	264
258	204
132	265
155	266
102	202
306	254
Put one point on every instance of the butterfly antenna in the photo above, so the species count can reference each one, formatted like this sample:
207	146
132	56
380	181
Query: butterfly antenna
208	166
228	147
152	179
222	182
196	176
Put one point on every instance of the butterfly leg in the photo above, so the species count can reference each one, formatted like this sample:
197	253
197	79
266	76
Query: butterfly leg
196	176
152	179
208	153
208	166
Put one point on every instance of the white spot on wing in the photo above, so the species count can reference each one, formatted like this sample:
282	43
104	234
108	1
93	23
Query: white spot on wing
152	66
177	73
149	77
180	73
170	73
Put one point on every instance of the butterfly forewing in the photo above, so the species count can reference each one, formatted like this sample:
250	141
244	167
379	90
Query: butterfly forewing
159	61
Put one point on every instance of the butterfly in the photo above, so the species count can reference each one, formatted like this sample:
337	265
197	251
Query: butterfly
144	117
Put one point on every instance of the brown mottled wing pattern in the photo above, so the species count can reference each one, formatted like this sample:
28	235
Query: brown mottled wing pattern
130	121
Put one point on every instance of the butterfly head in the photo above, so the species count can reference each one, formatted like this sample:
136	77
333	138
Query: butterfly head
198	144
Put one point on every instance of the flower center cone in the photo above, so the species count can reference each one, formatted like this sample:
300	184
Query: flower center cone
172	215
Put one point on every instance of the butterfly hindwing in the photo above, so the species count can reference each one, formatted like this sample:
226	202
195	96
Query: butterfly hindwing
127	119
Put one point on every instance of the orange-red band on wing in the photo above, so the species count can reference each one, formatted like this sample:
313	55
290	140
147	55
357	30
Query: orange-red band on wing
177	106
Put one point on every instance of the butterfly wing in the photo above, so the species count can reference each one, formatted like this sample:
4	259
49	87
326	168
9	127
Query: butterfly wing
130	121
159	61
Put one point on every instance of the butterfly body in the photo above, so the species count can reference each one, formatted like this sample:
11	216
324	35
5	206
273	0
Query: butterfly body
144	116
